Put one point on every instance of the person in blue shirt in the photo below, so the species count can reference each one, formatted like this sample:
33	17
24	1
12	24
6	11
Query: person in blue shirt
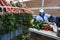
43	16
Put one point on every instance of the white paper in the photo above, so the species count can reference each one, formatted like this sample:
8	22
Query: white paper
55	27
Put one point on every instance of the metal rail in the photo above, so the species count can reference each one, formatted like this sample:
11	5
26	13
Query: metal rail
42	3
38	8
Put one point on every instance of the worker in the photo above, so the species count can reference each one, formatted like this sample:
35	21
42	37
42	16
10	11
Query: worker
43	16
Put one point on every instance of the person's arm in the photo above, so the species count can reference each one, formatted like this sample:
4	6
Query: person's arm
38	18
48	15
51	17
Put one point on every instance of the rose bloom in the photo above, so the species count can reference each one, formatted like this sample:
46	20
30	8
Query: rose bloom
1	13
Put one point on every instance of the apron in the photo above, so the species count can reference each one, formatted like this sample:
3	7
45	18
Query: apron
43	16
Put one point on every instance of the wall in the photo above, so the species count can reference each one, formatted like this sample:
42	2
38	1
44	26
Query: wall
37	3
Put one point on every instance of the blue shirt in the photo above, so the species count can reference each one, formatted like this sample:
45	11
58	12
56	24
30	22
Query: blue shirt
43	18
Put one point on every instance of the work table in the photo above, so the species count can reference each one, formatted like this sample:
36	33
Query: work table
49	34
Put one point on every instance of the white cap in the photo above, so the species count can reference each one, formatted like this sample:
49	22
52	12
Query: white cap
41	10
